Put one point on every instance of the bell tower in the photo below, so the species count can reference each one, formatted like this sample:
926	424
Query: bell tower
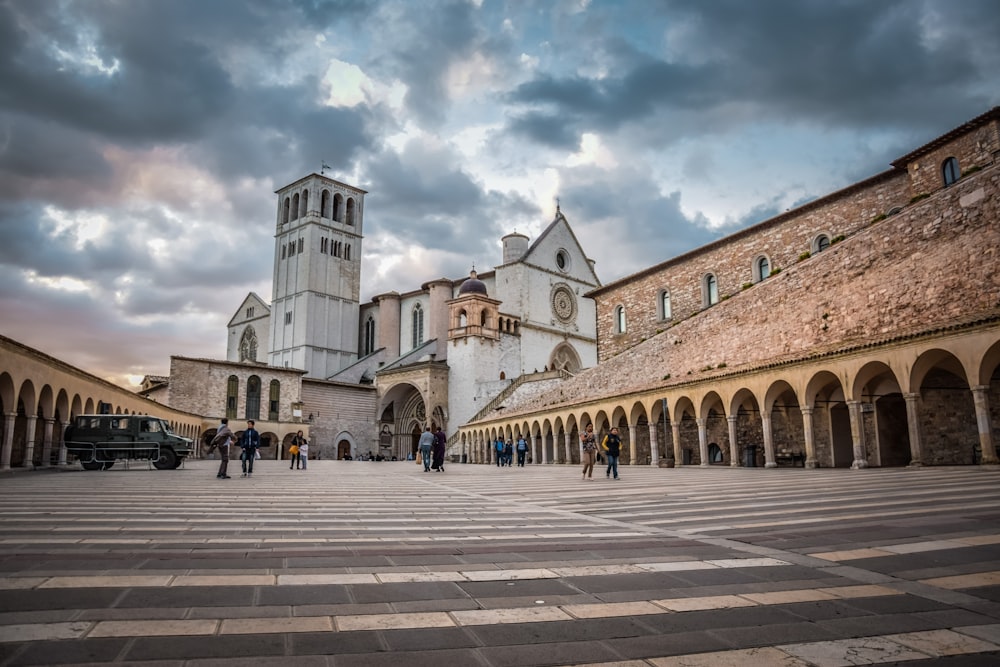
317	276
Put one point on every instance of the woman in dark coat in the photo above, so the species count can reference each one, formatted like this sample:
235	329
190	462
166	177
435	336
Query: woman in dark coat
437	461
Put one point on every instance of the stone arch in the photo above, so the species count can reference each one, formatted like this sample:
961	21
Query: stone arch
942	388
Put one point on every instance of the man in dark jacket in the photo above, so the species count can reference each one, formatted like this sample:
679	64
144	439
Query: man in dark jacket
249	443
612	444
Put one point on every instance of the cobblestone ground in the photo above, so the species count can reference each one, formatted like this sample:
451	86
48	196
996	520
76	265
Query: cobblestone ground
364	563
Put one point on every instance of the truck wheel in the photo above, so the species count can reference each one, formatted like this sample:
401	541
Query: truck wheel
180	460
108	465
167	460
92	465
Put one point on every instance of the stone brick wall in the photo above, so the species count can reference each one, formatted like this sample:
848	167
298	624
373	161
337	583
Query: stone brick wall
932	263
786	238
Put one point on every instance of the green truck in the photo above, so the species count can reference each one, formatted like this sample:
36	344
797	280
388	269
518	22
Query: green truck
98	441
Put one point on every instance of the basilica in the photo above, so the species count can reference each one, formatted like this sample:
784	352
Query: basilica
859	329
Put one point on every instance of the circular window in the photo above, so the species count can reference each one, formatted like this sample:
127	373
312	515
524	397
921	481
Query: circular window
562	260
563	303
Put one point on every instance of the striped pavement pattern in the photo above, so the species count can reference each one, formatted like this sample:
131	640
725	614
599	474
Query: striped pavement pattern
364	563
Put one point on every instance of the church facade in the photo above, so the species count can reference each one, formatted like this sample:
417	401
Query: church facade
436	353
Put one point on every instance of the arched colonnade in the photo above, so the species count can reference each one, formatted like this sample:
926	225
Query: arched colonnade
928	401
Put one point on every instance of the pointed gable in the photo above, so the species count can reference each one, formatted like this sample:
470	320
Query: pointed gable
251	308
557	250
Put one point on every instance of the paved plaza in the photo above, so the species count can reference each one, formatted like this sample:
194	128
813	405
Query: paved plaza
378	563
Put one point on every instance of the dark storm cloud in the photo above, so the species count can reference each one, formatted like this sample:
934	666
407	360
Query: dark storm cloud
853	64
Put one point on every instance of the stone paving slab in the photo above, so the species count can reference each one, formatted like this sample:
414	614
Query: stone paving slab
515	569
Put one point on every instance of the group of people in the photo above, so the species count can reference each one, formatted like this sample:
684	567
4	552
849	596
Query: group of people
249	442
505	452
612	446
432	446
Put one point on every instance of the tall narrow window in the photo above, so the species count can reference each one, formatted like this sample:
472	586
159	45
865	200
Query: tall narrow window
369	335
665	312
418	325
347	251
304	204
350	211
324	204
950	172
232	392
288	317
253	397
762	268
338	207
302	244
273	400
711	295
284	211
620	319
295	206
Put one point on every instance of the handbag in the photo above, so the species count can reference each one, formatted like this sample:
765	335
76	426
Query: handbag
256	454
294	449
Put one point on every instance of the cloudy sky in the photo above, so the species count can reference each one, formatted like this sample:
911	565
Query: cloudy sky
141	141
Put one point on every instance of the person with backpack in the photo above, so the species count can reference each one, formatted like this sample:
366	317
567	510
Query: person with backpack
498	448
522	451
223	438
508	453
612	444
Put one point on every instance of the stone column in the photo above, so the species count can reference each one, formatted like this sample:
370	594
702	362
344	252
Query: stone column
980	396
29	445
734	447
765	419
654	447
675	430
62	444
807	428
47	443
8	441
857	435
703	440
633	445
913	427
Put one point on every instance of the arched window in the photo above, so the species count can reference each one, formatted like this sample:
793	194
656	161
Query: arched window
253	397
619	319
761	268
304	204
665	311
232	392
324	204
338	207
710	287
369	335
322	245
347	251
418	325
284	211
949	171
295	206
350	211
273	401
821	243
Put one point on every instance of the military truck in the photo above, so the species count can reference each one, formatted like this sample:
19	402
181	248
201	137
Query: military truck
98	441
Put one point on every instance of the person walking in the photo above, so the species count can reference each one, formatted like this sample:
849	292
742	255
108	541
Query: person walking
498	449
589	454
249	443
295	451
522	450
426	444
304	452
508	453
223	438
440	441
612	444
